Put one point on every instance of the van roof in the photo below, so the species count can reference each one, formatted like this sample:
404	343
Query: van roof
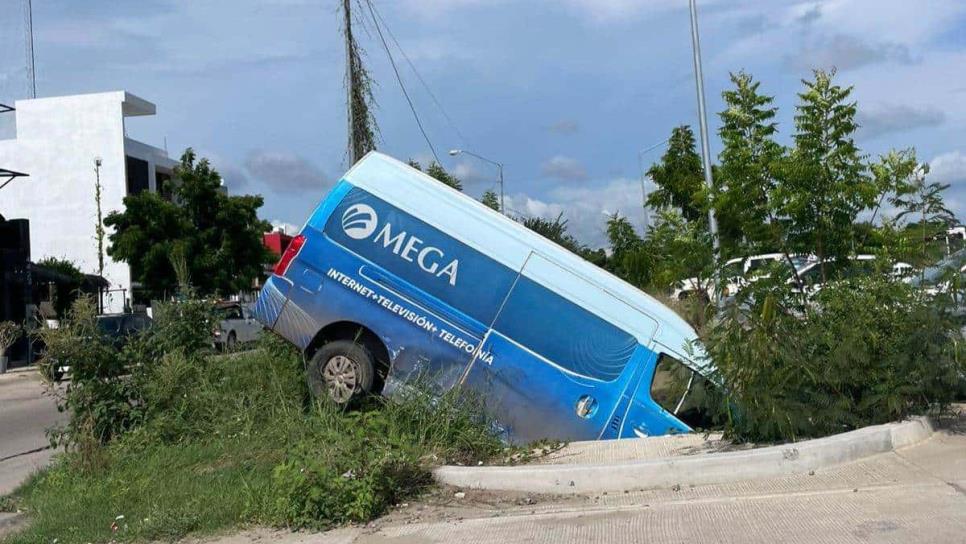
510	243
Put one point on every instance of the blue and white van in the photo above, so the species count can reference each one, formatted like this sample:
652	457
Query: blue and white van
395	275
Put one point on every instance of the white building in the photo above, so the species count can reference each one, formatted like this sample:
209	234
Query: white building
58	143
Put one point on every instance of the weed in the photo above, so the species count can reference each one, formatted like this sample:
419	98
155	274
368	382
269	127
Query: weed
226	441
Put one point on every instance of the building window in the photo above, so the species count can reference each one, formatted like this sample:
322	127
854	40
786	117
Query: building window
137	175
163	183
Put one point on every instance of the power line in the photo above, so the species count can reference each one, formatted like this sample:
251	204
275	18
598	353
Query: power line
429	91
392	61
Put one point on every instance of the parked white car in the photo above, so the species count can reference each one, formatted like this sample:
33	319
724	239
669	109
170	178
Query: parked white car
235	326
736	274
862	265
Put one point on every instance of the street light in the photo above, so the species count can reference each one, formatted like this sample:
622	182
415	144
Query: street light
455	152
705	146
640	164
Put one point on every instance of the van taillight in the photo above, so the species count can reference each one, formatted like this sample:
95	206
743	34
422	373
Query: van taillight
290	252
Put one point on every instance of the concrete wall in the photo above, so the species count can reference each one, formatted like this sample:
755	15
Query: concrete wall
57	142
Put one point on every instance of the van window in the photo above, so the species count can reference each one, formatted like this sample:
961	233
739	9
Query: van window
682	391
564	333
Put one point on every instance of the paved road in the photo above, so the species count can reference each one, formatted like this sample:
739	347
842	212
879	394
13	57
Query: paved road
917	494
25	413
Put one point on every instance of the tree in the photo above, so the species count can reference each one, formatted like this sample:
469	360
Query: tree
490	200
678	249
824	185
630	258
437	172
62	266
923	201
748	159
62	294
221	235
892	175
679	177
555	230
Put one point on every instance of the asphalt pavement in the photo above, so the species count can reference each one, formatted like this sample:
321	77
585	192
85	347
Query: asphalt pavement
26	412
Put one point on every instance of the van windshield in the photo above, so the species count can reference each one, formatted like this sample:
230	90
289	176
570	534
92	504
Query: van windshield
682	392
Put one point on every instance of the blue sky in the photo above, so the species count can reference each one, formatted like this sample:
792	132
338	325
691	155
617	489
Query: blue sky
564	92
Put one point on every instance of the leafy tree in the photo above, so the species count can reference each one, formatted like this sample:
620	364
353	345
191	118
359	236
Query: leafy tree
750	155
62	266
63	294
673	249
630	258
555	230
490	199
924	201
436	171
679	177
221	235
678	249
824	185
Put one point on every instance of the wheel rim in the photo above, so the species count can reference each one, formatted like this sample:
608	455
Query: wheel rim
339	374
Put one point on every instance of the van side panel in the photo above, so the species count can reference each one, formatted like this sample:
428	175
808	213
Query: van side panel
549	359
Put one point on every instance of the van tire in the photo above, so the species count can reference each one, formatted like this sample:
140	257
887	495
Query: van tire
342	370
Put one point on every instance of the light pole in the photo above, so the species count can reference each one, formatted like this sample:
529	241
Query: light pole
455	152
705	146
640	164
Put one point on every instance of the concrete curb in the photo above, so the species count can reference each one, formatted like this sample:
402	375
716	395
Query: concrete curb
787	459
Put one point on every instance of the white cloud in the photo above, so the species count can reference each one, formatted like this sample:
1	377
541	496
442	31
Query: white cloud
847	52
564	126
883	119
283	226
586	208
951	168
565	168
605	11
286	172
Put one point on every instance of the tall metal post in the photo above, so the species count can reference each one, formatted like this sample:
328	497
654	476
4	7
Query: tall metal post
705	146
28	17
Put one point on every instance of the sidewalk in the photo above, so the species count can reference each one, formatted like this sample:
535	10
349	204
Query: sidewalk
25	415
914	494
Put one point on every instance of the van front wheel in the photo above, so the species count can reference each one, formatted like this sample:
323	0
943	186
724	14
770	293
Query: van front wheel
343	370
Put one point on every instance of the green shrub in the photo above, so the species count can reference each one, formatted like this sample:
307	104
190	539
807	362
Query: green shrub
864	351
98	398
213	441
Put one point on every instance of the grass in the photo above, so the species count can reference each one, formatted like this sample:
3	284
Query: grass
231	441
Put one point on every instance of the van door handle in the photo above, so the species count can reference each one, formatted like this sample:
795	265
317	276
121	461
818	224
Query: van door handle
586	406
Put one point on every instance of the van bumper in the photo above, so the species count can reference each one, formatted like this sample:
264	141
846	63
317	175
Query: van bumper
271	301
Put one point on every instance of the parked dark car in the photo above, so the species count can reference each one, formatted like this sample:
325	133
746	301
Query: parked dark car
115	328
118	328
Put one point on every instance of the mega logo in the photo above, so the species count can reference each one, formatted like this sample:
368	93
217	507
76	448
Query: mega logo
360	221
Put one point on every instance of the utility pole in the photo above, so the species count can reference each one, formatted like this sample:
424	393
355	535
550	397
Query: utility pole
28	16
362	125
705	146
349	79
